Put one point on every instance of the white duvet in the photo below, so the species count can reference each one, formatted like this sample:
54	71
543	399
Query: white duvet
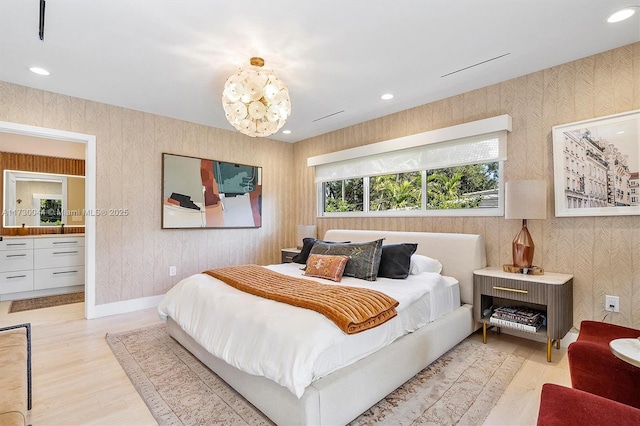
289	345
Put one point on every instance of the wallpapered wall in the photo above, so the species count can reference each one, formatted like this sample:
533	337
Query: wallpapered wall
603	253
133	254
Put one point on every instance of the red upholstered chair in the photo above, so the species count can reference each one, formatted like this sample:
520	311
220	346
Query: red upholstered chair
596	370
563	406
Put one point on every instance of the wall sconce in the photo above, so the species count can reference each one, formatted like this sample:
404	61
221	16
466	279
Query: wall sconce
525	199
306	231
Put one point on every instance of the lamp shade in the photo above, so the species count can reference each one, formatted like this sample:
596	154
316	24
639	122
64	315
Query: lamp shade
306	231
525	199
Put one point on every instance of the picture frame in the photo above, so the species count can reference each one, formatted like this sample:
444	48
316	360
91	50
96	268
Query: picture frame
596	164
202	193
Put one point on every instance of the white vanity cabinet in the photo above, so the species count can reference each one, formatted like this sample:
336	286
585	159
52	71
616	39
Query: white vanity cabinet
41	265
16	265
58	262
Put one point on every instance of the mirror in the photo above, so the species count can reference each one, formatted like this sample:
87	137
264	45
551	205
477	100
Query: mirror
42	199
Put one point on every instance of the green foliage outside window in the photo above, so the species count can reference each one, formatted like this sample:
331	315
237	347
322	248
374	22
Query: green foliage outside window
50	211
458	187
402	191
343	195
462	187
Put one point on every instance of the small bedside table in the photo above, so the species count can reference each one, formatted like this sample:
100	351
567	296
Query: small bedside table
288	253
627	350
550	293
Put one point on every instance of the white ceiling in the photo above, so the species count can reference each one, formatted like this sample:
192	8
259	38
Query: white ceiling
172	57
24	144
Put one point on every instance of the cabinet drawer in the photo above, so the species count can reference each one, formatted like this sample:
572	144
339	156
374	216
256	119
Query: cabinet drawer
287	257
17	281
58	242
16	243
58	277
522	291
16	260
58	257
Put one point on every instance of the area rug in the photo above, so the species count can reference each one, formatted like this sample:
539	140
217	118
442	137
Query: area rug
46	302
461	387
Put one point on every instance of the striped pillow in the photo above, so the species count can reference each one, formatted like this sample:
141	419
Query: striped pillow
364	258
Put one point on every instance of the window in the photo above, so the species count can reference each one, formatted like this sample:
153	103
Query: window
50	211
466	187
343	196
400	191
446	172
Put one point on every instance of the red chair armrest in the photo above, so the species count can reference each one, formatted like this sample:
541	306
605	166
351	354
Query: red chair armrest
603	333
562	406
596	370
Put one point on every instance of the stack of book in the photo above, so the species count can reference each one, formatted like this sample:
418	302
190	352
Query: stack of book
517	317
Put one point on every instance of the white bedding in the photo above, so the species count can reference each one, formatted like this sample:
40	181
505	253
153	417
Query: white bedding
290	345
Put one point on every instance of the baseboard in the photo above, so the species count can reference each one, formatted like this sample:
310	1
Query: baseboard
124	306
571	337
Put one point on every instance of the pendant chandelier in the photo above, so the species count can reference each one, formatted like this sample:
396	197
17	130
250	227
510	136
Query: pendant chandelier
256	101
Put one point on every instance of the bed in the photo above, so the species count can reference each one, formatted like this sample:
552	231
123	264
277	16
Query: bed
372	377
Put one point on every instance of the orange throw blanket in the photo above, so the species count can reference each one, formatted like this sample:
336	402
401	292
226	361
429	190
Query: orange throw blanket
352	309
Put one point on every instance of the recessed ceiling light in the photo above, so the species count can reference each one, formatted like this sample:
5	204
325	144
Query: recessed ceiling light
39	71
286	132
386	96
620	132
621	15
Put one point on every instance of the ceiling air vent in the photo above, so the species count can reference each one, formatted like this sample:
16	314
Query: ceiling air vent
327	116
475	65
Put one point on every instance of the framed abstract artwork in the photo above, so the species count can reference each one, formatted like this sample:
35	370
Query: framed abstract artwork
201	193
596	164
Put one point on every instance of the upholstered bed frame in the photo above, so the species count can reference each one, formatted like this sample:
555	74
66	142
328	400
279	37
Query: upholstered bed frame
343	395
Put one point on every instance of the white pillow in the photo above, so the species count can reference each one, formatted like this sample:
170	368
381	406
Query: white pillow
420	264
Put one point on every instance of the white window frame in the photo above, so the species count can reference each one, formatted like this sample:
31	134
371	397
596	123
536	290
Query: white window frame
473	131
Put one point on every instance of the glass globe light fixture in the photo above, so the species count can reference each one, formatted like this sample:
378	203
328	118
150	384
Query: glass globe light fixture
256	101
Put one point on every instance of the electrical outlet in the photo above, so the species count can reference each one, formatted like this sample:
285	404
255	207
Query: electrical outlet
612	303
172	271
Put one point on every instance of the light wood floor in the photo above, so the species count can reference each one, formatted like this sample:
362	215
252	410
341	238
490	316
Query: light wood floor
78	381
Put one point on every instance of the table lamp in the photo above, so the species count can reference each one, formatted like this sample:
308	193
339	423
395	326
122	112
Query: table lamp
306	231
525	199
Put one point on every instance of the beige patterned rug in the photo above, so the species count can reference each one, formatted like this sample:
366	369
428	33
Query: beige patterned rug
461	387
46	301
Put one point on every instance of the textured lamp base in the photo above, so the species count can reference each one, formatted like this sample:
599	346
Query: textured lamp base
523	247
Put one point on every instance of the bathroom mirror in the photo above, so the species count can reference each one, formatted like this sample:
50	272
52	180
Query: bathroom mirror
42	199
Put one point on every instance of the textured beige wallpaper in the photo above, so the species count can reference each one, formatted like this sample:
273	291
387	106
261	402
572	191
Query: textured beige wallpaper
603	253
133	254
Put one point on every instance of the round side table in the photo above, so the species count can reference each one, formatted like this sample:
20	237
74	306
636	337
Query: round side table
627	350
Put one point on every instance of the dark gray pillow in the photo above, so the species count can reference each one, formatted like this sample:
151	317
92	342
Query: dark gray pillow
307	244
364	257
396	260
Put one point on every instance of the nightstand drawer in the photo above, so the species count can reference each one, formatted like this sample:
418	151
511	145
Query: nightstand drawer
288	254
517	290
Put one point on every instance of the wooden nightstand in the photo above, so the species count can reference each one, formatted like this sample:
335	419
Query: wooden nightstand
288	253
550	293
